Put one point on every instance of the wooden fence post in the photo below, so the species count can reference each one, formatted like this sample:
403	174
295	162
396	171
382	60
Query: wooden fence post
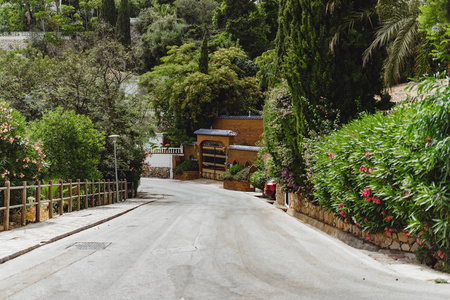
70	195
126	189
38	205
50	199
92	194
7	201
105	200
78	195
86	201
109	192
98	192
24	204
61	194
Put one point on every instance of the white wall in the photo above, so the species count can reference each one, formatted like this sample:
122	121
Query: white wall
161	161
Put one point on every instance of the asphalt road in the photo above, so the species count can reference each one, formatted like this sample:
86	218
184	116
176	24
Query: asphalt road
199	241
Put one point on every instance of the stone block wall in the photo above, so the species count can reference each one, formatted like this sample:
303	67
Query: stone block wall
157	172
392	241
238	185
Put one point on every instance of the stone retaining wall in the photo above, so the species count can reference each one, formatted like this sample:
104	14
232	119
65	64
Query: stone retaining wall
392	241
238	185
7	44
158	172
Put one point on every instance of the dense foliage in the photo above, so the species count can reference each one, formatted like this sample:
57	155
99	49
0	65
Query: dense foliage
89	83
123	23
186	99
71	144
390	172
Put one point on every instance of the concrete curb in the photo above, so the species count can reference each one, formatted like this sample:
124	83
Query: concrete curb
59	237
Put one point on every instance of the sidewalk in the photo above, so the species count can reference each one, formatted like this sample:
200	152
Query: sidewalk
16	242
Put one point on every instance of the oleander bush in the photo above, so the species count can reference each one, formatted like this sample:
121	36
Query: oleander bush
391	172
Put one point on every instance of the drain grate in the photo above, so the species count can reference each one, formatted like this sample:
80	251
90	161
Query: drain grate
90	245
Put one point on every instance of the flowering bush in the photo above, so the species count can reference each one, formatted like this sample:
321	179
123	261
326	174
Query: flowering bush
20	160
388	173
280	140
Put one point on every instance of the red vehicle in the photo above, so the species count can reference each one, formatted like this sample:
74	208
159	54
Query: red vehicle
270	188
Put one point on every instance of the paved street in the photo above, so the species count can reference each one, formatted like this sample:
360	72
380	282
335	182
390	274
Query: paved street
199	241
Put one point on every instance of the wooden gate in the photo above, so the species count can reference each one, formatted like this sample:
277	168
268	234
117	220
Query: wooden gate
213	160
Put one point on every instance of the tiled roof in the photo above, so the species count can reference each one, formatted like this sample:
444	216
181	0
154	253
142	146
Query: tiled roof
241	117
244	148
213	132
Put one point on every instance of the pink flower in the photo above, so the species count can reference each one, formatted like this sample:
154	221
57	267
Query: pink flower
362	169
365	219
383	212
368	199
367	236
367	154
370	171
420	242
11	140
441	255
330	155
341	205
366	193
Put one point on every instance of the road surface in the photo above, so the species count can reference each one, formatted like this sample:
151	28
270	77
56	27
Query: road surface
198	241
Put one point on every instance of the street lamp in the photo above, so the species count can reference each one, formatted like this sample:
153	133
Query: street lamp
114	138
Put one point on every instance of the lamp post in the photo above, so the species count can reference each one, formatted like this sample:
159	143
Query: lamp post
114	138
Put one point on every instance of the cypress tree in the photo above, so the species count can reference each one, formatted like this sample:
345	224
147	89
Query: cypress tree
203	61
123	23
313	73
108	12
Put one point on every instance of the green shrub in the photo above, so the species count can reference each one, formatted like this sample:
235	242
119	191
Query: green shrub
259	179
235	169
187	165
242	174
71	143
388	173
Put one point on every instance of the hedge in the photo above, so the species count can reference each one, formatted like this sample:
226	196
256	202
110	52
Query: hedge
391	172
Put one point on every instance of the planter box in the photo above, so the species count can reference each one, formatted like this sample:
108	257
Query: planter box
187	175
238	185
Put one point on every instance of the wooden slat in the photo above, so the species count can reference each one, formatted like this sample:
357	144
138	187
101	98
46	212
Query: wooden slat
213	155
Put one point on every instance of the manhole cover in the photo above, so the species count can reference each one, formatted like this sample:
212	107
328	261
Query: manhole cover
90	245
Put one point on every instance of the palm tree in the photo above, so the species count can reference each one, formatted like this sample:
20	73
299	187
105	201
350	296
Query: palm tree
398	32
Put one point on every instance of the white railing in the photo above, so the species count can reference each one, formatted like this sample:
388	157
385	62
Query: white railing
175	150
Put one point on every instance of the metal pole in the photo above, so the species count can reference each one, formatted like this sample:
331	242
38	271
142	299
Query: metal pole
117	177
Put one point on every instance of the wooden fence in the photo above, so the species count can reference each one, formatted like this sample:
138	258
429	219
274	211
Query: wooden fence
55	198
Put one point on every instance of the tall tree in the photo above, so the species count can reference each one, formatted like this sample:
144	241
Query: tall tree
123	23
108	12
314	73
245	21
203	61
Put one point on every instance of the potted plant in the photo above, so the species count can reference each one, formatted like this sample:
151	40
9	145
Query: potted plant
187	170
237	178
